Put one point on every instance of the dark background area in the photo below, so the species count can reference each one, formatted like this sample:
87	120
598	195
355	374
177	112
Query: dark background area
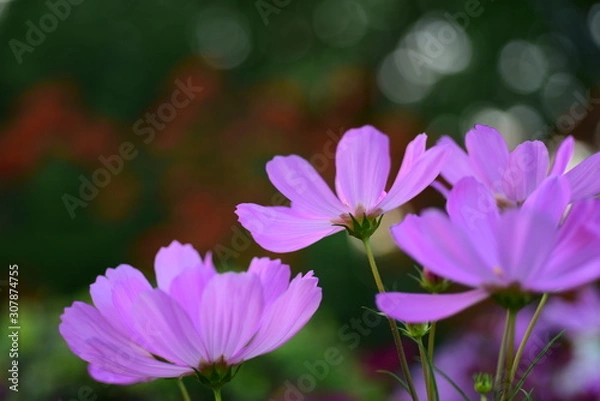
78	80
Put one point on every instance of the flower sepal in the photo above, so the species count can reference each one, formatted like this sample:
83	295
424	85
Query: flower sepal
513	299
362	229
217	375
416	330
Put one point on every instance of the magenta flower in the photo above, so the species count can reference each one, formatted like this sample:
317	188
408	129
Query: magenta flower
580	316
196	320
362	170
510	255
513	176
581	319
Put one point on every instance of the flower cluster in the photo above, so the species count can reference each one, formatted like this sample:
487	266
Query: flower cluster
517	227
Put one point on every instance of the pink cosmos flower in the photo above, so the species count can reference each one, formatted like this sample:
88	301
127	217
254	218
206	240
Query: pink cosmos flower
196	320
513	176
509	255
362	170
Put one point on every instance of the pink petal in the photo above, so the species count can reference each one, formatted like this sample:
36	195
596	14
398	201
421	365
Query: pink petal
584	178
281	229
442	247
459	166
527	168
421	308
563	156
274	277
172	260
472	206
362	163
412	183
166	329
568	277
577	248
285	317
441	188
550	198
231	309
90	336
187	289
414	151
125	281
489	155
104	376
526	239
296	179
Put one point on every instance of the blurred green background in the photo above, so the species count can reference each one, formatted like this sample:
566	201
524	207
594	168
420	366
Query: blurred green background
80	79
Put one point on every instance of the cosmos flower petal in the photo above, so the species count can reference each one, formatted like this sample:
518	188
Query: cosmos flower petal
568	279
472	206
421	308
488	153
526	239
420	176
89	335
281	229
172	260
104	376
298	180
274	277
563	155
583	178
577	248
433	241
230	312
362	162
122	284
286	316
527	168
460	164
551	198
166	330
414	150
187	290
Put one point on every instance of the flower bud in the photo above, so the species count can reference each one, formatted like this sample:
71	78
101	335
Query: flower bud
432	283
483	383
416	330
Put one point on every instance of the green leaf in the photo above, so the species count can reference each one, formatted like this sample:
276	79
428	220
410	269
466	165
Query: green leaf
452	383
398	379
534	363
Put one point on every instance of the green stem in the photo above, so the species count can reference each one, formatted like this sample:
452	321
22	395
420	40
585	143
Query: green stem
483	397
501	356
217	394
393	326
534	319
510	351
184	393
431	341
426	373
